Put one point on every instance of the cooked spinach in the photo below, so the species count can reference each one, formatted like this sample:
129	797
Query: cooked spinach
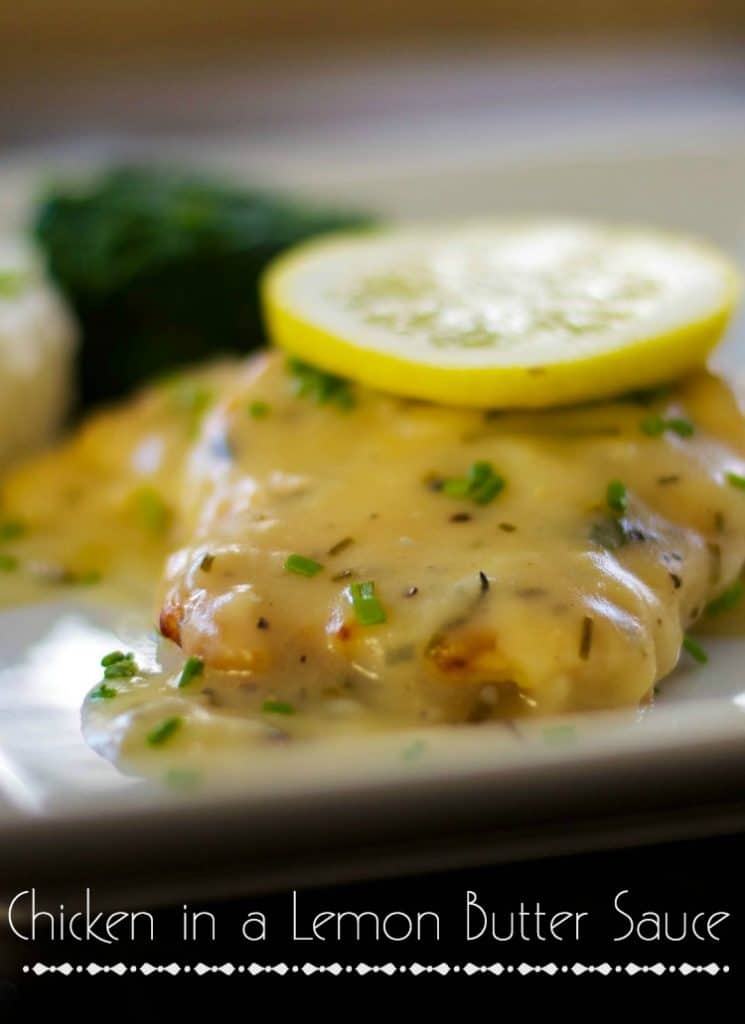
162	266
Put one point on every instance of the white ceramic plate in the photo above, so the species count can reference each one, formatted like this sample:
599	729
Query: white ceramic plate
68	818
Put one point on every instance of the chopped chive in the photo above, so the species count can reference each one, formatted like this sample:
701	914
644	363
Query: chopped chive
488	490
367	608
481	485
303	566
277	707
259	410
154	514
8	563
694	648
113	656
103	692
656	425
456	488
653	426
681	427
727	600
193	667
124	669
322	387
617	496
164	730
736	480
10	529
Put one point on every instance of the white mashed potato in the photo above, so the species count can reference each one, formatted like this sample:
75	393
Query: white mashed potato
37	347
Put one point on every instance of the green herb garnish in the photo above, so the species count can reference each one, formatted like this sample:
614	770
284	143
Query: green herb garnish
154	514
736	480
277	707
10	529
367	608
8	563
617	496
193	667
727	600
259	410
303	566
310	382
655	426
694	648
103	692
481	485
125	668
114	656
164	730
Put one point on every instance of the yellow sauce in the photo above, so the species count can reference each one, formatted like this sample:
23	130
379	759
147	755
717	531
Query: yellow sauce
541	600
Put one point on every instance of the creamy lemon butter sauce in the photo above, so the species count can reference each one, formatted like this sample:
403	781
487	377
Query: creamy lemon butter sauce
338	561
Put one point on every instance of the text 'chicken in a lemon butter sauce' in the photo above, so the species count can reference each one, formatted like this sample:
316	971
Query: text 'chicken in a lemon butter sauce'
338	561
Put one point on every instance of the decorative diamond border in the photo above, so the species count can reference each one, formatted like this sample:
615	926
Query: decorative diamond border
389	969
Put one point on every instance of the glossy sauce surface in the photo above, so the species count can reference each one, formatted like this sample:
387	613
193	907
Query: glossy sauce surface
543	598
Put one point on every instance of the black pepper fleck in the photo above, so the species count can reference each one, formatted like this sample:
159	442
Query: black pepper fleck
585	642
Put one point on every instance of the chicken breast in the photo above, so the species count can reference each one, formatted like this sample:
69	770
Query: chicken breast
449	565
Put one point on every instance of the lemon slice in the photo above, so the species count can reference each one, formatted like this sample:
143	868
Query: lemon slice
527	313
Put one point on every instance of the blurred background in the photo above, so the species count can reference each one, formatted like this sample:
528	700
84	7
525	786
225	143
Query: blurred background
103	69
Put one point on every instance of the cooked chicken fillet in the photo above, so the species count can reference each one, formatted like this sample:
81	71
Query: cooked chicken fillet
552	594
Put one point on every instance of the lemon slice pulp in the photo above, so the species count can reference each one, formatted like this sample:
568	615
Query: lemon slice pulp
528	313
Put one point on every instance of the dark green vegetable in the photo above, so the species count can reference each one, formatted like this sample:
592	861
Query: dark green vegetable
162	266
